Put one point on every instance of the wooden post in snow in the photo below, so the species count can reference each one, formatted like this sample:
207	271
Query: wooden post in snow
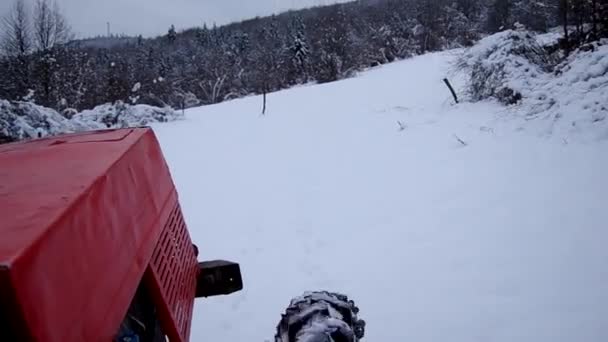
447	82
264	107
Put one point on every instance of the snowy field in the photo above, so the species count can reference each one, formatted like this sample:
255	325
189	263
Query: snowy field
504	239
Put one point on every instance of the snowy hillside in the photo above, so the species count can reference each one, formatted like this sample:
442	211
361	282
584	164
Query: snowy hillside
443	222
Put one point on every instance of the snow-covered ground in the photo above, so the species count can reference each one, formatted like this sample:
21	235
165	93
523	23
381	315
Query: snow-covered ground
504	239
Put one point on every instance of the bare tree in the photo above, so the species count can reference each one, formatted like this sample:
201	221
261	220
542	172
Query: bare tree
16	42
17	39
50	26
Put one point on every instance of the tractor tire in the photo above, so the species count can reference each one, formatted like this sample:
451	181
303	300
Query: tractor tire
321	317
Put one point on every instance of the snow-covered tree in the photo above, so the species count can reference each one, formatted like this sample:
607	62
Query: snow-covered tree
299	52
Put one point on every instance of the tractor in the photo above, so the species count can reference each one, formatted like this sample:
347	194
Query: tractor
94	247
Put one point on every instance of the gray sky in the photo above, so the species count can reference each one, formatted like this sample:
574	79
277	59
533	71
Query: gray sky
153	17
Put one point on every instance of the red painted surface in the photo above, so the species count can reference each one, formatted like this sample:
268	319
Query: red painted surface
80	218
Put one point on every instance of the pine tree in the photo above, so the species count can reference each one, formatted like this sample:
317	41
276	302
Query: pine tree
172	34
299	52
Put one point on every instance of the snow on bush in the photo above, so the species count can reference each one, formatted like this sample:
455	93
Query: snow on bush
505	65
570	94
26	120
577	94
121	115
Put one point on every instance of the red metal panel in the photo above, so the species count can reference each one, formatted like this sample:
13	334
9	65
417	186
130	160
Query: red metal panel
172	278
80	218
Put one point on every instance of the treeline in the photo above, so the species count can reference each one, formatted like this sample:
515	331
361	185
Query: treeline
211	64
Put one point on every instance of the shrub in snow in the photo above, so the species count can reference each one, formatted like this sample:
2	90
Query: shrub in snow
69	113
121	115
503	65
190	100
25	120
577	91
184	100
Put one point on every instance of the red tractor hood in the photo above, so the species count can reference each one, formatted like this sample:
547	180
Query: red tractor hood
80	216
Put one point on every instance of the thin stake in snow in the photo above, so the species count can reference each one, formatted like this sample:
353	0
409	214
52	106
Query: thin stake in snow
264	107
402	126
447	82
462	142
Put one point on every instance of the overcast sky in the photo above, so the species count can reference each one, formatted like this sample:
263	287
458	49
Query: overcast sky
153	17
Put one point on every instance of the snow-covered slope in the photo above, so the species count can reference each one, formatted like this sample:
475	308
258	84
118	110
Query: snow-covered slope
363	187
